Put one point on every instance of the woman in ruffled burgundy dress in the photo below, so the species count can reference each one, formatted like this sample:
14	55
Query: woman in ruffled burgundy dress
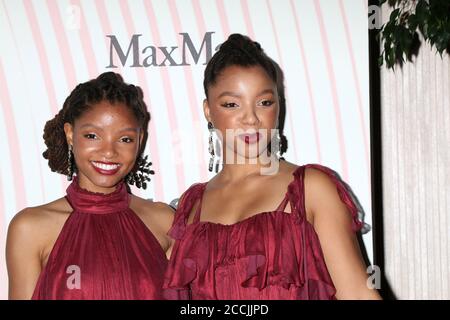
262	228
99	241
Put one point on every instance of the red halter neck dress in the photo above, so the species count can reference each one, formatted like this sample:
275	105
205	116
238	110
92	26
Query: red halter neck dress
104	251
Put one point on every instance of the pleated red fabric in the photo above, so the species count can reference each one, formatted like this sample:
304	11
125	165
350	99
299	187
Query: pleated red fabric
104	251
271	255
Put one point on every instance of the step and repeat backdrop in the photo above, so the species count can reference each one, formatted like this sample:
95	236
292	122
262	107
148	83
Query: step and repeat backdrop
49	46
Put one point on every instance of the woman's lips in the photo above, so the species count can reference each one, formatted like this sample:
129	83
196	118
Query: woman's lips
106	168
250	138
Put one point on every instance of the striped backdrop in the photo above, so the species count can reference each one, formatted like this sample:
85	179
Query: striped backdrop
49	46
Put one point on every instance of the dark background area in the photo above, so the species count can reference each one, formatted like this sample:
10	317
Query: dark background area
376	158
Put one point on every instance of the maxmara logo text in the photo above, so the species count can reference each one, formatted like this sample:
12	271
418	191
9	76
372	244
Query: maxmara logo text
133	54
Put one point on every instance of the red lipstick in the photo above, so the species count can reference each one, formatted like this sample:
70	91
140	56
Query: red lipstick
250	138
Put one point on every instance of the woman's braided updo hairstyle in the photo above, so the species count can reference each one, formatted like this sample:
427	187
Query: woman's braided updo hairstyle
108	86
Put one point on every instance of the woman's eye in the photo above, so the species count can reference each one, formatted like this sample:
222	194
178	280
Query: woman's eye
126	140
229	105
267	103
90	136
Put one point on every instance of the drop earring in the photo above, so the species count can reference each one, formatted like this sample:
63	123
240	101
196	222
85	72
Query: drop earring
276	145
218	154
69	163
214	150
278	153
211	147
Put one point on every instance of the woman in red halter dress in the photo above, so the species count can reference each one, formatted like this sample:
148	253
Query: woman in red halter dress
262	228
100	241
104	251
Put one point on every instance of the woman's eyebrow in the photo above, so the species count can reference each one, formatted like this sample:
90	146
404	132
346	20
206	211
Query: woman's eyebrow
266	91
237	95
90	125
130	129
229	93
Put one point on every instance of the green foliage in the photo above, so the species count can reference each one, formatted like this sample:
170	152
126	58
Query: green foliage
400	35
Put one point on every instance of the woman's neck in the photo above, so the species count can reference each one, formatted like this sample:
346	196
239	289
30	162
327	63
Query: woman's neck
235	172
87	185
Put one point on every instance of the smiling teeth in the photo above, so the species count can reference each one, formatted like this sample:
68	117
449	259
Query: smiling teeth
106	166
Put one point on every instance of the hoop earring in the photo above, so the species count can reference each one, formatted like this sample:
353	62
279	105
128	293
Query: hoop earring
69	163
141	175
213	150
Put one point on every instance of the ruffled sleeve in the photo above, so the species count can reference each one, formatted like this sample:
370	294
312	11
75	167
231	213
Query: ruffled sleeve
184	208
344	194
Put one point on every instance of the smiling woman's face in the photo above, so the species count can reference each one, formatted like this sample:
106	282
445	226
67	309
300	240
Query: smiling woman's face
106	140
245	101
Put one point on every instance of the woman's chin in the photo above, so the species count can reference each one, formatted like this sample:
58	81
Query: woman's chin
250	157
102	181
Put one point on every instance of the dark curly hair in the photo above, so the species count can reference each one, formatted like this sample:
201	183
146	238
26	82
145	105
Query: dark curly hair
238	50
108	86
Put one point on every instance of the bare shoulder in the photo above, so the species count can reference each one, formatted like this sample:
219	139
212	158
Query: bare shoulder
153	213
36	227
36	219
26	224
321	194
320	185
157	216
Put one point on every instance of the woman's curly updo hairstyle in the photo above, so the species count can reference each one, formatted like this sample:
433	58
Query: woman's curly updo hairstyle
108	86
238	50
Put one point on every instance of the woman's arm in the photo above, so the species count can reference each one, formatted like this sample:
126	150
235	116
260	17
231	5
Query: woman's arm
333	224
23	255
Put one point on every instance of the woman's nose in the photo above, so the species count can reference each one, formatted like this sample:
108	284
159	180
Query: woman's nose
250	117
109	150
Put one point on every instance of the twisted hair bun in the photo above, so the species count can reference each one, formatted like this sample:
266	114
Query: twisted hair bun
238	50
240	43
110	77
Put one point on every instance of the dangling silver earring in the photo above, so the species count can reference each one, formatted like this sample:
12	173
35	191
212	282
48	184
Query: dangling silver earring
279	145
218	154
69	163
211	147
213	151
276	145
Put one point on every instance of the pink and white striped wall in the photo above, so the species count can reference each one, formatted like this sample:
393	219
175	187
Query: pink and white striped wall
49	46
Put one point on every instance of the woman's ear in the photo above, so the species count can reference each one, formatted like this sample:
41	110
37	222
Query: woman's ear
68	130
141	137
206	110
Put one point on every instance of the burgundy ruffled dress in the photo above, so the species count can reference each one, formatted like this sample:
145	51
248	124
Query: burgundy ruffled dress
271	255
104	251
